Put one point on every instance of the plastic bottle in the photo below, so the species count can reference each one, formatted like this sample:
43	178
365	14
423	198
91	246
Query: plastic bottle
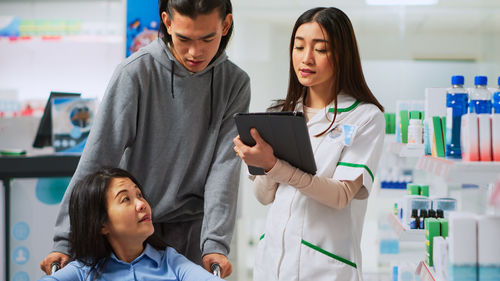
414	220
496	99
423	216
495	124
415	129
480	96
456	106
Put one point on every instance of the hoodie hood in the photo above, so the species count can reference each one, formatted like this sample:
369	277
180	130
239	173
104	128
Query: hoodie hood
167	59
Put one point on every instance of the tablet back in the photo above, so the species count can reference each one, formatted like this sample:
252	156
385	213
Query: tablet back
287	134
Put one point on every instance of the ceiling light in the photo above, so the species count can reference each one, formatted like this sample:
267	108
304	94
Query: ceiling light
401	2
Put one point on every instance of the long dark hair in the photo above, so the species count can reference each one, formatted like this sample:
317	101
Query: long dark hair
88	213
193	8
347	72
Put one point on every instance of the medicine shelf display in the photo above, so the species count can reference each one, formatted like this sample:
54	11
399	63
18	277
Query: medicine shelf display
406	150
456	171
404	234
425	272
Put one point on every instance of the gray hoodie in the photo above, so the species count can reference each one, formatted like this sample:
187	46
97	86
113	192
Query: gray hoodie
173	131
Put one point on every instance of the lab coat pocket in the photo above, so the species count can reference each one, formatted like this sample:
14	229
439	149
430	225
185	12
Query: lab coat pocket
318	264
260	267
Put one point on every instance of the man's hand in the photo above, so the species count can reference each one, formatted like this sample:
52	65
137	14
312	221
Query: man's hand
226	268
59	257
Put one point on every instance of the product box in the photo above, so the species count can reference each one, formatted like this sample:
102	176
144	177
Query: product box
440	257
484	121
469	137
462	247
488	247
495	136
432	229
71	122
434	105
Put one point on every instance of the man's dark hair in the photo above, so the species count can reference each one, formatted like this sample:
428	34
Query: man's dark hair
193	8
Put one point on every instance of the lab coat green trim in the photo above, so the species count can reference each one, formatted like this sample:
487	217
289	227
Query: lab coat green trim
340	259
262	237
357	166
339	110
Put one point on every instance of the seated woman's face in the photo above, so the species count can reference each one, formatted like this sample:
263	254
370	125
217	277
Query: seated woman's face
129	214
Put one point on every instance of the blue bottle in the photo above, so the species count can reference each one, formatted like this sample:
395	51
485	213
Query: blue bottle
456	106
480	96
496	99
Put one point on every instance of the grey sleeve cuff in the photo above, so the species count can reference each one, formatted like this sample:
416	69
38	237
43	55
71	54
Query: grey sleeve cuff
61	246
212	247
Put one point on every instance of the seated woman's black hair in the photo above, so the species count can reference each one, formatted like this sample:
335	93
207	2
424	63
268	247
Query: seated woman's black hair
88	213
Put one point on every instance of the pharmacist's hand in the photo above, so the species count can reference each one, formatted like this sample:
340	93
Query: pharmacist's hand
260	155
59	257
226	268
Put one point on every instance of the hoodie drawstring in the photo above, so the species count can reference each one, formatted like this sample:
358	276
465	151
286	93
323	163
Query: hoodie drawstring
172	80
211	91
211	98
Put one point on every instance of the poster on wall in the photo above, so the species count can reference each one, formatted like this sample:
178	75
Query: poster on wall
143	23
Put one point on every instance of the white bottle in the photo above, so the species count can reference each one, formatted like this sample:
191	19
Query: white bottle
415	132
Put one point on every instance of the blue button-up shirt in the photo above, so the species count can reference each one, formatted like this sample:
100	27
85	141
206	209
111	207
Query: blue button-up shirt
152	264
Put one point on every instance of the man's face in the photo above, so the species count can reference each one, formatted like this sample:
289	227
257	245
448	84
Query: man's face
195	42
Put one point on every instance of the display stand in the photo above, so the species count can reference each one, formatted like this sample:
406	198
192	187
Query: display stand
30	167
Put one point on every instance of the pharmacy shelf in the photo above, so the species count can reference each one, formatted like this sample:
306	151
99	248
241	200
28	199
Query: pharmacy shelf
404	234
495	195
406	150
425	272
457	171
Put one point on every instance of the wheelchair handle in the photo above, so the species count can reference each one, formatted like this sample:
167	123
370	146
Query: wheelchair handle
215	267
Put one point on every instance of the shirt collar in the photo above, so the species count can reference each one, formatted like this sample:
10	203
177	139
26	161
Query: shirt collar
149	251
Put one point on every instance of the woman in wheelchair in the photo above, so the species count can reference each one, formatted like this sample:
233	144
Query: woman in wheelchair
111	235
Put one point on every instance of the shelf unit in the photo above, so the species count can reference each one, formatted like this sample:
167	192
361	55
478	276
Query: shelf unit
426	272
457	171
404	234
406	150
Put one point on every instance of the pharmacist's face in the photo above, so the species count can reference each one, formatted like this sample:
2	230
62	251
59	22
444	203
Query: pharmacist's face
311	56
196	41
129	214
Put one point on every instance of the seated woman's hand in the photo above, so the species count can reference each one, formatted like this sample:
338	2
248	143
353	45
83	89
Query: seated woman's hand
260	155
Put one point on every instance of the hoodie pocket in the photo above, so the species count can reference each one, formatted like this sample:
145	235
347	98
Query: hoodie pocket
318	264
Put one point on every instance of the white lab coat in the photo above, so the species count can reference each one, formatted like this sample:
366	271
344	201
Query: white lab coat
306	240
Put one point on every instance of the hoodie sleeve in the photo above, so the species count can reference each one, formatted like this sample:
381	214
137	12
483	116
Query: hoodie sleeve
113	130
221	188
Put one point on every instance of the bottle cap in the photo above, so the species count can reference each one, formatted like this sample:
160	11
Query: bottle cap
432	213
480	80
439	213
414	213
423	213
458	80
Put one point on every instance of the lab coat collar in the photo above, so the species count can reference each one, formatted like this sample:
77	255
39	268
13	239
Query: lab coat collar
345	103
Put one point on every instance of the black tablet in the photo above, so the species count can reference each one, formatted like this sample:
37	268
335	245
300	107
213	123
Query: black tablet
287	134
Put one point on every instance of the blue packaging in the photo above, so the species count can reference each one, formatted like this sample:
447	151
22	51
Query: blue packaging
462	272
489	273
456	106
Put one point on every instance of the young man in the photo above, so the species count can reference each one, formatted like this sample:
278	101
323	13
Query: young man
167	117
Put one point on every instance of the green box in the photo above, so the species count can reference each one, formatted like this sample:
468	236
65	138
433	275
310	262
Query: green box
444	227
404	122
424	190
438	135
432	229
413	189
